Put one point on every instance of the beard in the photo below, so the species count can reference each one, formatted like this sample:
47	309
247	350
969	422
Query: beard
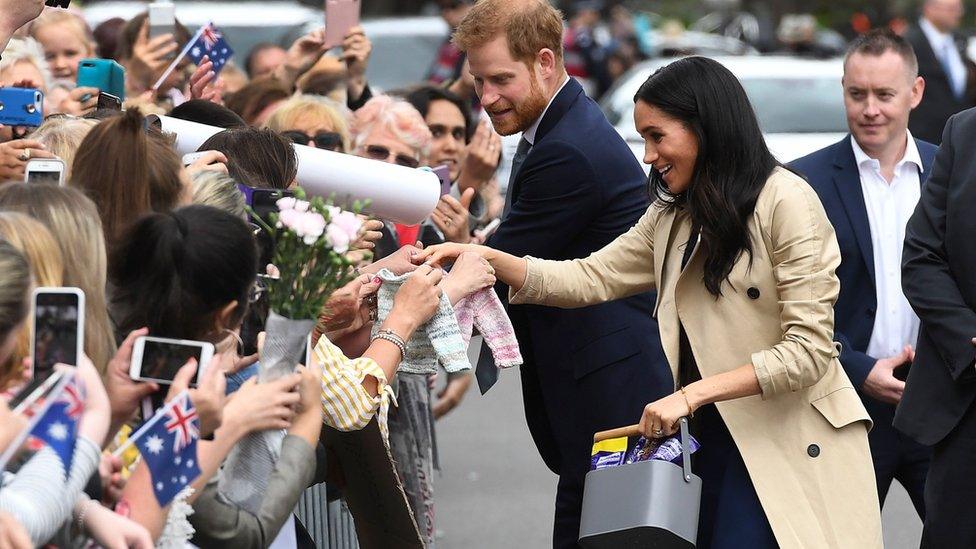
523	114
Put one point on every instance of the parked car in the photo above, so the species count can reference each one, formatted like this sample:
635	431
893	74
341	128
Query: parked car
799	102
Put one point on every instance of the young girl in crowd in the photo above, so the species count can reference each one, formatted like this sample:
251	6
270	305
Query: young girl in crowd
66	39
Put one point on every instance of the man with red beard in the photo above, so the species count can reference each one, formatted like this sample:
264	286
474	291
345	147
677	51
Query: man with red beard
574	187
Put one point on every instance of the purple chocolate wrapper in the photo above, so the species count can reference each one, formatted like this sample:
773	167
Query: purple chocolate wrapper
603	460
668	449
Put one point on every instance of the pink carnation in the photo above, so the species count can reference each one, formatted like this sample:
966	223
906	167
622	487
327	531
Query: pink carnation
338	238
286	203
348	222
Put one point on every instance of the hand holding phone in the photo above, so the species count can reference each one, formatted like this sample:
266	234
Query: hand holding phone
21	107
49	171
159	359
340	16
162	19
104	74
58	329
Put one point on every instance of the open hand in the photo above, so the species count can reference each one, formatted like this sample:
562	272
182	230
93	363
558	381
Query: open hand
451	216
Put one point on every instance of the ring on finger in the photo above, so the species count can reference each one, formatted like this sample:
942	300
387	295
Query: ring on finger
658	433
25	155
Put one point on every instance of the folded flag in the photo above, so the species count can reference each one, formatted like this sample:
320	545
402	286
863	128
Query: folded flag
210	42
168	443
58	426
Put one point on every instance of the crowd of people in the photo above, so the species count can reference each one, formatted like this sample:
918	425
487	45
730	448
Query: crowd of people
763	302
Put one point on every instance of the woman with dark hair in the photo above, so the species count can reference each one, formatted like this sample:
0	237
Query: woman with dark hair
742	256
185	274
257	158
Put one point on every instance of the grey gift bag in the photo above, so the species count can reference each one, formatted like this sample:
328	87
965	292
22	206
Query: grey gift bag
649	504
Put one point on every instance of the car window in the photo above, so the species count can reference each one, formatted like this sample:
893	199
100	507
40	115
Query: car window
783	105
400	60
797	105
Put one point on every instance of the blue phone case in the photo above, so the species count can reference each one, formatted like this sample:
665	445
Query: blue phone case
21	107
104	74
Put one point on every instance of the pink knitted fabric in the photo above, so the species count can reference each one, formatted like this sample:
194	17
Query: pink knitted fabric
485	311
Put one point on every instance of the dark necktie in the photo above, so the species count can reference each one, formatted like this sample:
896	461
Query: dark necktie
486	372
523	150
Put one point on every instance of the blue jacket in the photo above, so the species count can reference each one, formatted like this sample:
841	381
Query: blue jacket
596	367
833	174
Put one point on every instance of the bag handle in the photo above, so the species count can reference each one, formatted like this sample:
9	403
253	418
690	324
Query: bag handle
634	430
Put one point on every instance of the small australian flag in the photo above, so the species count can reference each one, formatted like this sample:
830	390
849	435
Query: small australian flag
168	443
58	427
210	42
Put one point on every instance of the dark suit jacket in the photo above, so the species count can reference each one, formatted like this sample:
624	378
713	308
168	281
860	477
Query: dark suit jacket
833	174
939	279
597	367
938	102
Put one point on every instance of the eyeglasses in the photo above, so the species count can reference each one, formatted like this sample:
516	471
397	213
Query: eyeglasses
330	141
379	152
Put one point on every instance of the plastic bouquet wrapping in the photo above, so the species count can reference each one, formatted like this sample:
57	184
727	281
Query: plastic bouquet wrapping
311	240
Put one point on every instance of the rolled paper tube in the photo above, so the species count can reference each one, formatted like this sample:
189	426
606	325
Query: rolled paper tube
395	193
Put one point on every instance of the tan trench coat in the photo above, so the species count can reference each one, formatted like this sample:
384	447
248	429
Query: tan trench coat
804	440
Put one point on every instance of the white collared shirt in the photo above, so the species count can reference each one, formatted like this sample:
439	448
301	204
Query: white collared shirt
946	52
529	133
889	206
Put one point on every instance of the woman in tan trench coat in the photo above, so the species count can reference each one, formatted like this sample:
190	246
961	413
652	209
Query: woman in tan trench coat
743	258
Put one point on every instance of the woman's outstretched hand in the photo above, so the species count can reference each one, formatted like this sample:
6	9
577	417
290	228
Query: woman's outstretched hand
441	255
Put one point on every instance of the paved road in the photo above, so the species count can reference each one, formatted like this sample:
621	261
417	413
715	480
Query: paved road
495	492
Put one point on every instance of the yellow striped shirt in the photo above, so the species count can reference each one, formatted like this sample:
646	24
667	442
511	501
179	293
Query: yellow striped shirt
347	405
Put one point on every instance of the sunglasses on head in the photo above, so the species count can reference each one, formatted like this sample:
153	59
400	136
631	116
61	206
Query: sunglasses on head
379	152
330	141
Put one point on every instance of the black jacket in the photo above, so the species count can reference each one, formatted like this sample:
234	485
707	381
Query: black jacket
938	102
939	280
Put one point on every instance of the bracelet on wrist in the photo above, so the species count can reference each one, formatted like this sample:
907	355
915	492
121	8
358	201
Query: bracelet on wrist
394	338
691	411
80	519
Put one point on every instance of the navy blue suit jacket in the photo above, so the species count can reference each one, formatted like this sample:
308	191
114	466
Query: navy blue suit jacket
596	367
833	173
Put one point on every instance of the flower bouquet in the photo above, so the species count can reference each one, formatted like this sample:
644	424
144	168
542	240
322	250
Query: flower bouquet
311	240
309	263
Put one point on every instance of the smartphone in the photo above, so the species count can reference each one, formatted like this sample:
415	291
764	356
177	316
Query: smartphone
265	201
162	19
59	329
108	101
104	74
190	158
21	107
340	16
444	174
489	229
48	171
159	359
63	4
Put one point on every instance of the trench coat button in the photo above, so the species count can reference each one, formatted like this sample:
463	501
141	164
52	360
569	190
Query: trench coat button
753	293
813	450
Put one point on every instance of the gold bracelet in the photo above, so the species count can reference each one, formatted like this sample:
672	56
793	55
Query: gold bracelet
691	413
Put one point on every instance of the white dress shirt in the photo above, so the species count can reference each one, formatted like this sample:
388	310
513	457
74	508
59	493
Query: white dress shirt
889	206
947	53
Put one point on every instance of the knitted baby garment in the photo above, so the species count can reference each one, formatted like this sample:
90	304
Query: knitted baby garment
485	311
439	339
